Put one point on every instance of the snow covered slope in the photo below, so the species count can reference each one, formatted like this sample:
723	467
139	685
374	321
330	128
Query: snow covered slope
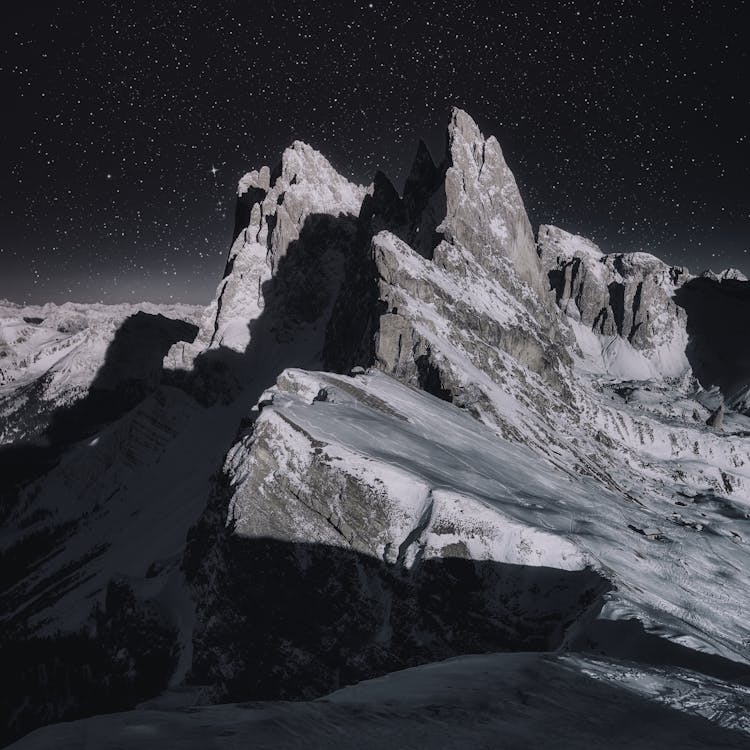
50	356
404	432
371	465
512	701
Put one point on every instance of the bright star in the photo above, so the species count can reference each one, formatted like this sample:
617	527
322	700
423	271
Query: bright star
214	170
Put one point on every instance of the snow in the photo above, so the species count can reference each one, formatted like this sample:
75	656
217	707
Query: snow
519	507
568	246
615	356
60	351
517	700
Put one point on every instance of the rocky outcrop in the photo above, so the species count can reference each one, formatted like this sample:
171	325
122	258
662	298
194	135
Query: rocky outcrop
484	211
448	273
307	284
728	274
360	551
448	312
716	420
286	220
626	295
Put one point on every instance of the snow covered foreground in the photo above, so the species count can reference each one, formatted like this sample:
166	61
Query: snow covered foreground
490	701
471	493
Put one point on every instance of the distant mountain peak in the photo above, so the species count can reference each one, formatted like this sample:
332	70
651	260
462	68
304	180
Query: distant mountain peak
728	274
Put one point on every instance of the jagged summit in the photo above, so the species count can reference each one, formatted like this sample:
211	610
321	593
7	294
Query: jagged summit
405	431
464	215
470	203
457	244
273	210
728	274
485	212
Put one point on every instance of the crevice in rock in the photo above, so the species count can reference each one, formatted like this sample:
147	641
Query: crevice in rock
416	532
243	210
217	317
600	320
556	278
636	308
430	379
617	304
271	221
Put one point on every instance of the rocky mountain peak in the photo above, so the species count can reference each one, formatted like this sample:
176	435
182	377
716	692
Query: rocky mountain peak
728	274
274	209
423	171
465	214
464	132
309	172
627	299
485	213
330	192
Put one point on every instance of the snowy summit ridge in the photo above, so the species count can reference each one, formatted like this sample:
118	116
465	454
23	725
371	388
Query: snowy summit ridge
422	431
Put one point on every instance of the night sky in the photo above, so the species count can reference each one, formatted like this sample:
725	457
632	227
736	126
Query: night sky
126	125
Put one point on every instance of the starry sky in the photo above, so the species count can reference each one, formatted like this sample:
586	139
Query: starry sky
127	125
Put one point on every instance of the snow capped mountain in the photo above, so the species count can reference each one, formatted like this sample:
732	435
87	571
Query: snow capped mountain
50	355
406	430
731	274
295	205
626	300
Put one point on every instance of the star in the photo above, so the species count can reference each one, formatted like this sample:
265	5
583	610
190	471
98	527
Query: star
152	109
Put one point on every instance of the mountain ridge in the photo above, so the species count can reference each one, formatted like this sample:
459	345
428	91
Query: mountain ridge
393	399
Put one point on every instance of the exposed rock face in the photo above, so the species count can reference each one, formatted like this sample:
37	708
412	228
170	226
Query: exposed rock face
456	248
626	295
484	210
470	201
360	554
282	211
303	265
443	313
716	420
